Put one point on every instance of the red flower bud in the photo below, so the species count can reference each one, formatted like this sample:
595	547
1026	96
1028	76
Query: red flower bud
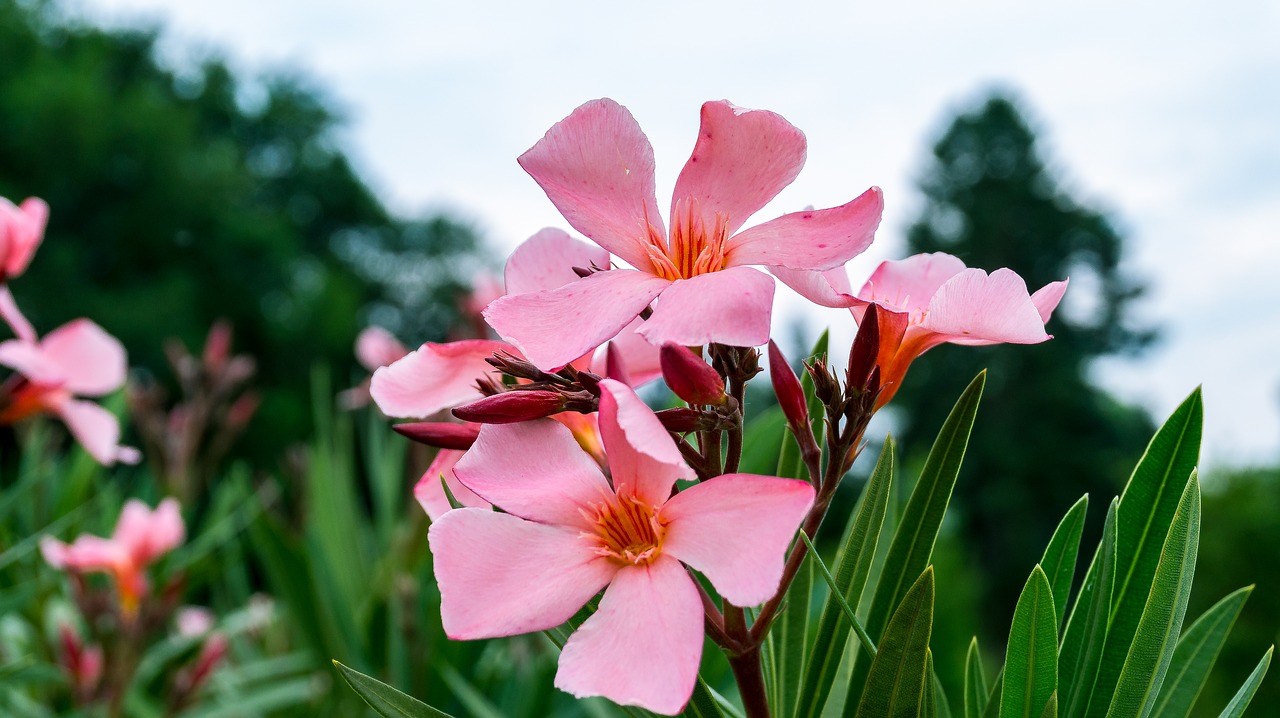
440	434
681	420
691	378
511	407
865	350
787	387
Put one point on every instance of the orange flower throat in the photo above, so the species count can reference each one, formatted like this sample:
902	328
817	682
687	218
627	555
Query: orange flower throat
626	530
694	247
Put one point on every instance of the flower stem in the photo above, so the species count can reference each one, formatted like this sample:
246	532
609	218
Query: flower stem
747	672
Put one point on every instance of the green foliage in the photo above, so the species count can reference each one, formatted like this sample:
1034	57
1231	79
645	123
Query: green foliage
976	690
387	701
1086	634
899	678
185	194
1244	696
1031	660
1059	561
1197	650
1049	433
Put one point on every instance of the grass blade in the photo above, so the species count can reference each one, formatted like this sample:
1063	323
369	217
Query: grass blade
387	701
1241	700
976	690
1196	653
1059	561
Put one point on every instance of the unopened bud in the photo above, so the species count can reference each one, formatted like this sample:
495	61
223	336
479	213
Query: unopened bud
440	434
681	420
511	407
691	378
787	387
865	350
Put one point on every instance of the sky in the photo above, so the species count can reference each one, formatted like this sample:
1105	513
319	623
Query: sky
1169	121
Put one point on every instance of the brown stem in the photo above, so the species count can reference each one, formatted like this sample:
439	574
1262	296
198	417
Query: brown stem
750	678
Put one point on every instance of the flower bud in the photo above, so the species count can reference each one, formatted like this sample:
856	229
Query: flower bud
681	420
511	407
440	434
865	350
691	378
787	387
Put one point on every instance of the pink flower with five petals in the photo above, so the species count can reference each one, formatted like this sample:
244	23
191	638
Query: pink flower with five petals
597	167
566	532
931	299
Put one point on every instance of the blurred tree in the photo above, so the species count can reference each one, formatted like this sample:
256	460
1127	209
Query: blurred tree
1045	433
183	194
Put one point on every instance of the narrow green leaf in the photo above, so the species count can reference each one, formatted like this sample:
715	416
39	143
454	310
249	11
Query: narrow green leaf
849	614
1086	633
1154	642
944	705
896	681
853	566
976	689
454	503
993	701
1031	660
1051	708
1059	561
1196	653
703	703
1241	700
913	541
1146	510
387	701
929	698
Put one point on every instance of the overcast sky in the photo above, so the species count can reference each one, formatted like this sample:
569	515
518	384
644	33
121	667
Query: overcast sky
1169	119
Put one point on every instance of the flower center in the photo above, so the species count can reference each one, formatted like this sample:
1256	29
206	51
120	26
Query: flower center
626	530
694	247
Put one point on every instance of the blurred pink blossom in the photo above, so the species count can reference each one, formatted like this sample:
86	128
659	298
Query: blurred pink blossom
565	533
375	348
21	230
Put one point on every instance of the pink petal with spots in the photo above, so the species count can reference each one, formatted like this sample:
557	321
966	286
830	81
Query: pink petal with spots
732	306
500	575
1046	298
433	378
643	645
556	326
546	261
743	159
596	167
828	289
430	493
976	308
813	239
533	469
643	458
735	529
376	347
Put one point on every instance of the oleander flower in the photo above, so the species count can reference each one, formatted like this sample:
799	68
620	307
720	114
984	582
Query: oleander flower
930	299
21	230
375	348
565	532
141	536
597	167
77	359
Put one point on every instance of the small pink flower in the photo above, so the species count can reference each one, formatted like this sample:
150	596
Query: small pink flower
375	348
21	229
597	167
141	536
76	359
930	299
566	532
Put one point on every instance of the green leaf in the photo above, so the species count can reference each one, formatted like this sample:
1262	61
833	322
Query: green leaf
1146	510
1086	632
976	690
703	703
853	565
1031	660
897	679
387	701
1241	700
929	703
993	701
1196	653
944	705
913	541
1153	644
1051	708
1059	561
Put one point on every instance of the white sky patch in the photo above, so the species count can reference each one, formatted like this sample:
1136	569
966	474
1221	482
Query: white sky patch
1167	120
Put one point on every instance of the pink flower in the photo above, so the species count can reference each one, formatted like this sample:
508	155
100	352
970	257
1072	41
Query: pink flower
566	532
76	359
375	348
21	229
930	299
430	494
141	536
597	167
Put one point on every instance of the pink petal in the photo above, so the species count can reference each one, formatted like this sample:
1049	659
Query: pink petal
433	378
812	239
643	457
1046	298
743	159
12	316
976	308
21	230
596	167
732	306
556	326
546	261
828	289
430	493
29	360
907	285
643	645
89	361
376	347
735	529
87	553
639	358
535	470
97	430
146	534
500	575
